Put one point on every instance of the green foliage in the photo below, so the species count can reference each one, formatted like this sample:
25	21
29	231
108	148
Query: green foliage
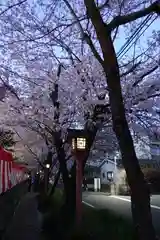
7	138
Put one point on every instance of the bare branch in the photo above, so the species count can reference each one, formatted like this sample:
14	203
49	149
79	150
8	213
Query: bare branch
11	6
154	95
104	5
121	20
10	88
90	43
144	75
131	69
75	17
29	149
116	30
84	35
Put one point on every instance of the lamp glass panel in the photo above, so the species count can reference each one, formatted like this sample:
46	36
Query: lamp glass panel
81	143
73	143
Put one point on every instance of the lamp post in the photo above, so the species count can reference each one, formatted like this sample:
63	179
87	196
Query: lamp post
79	146
115	174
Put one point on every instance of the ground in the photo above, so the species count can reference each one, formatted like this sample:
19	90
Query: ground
120	205
26	222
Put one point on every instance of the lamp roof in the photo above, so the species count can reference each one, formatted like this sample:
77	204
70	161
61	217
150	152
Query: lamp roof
72	133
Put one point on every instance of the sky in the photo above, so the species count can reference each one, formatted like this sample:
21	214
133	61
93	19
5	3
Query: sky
143	39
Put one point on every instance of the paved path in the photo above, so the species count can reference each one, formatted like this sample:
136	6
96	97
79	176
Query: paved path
26	222
121	205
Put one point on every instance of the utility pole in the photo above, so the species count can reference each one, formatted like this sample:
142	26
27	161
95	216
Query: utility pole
115	174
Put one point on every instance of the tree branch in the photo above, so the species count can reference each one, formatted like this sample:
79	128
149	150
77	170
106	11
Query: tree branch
11	6
75	16
93	49
131	69
84	35
10	88
29	149
154	95
144	75
104	5
121	20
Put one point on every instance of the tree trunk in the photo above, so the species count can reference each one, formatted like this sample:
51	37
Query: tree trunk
140	195
139	191
62	159
68	211
55	183
72	196
46	180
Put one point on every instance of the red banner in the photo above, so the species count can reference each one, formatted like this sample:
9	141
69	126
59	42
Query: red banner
10	172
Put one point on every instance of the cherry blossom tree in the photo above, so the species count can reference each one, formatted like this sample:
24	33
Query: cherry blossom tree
37	110
77	103
139	191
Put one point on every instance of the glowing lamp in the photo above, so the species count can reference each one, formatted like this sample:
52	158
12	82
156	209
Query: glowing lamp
47	165
79	143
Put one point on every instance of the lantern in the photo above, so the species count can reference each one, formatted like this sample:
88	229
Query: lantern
78	140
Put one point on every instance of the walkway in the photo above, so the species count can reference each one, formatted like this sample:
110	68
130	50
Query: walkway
26	222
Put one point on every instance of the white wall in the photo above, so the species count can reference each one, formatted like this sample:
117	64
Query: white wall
108	166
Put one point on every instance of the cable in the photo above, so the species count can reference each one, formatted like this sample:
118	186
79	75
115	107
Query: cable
140	55
134	34
138	36
137	31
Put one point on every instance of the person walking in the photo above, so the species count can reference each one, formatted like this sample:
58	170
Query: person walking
85	184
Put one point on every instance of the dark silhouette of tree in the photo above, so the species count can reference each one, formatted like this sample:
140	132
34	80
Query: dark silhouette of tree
7	139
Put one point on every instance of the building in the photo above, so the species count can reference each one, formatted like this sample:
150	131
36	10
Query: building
102	163
106	171
113	168
91	171
155	146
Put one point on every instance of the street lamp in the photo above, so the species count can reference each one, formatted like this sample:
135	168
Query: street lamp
78	141
48	165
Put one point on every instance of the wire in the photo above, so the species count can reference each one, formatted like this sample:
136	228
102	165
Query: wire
139	36
138	56
134	34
